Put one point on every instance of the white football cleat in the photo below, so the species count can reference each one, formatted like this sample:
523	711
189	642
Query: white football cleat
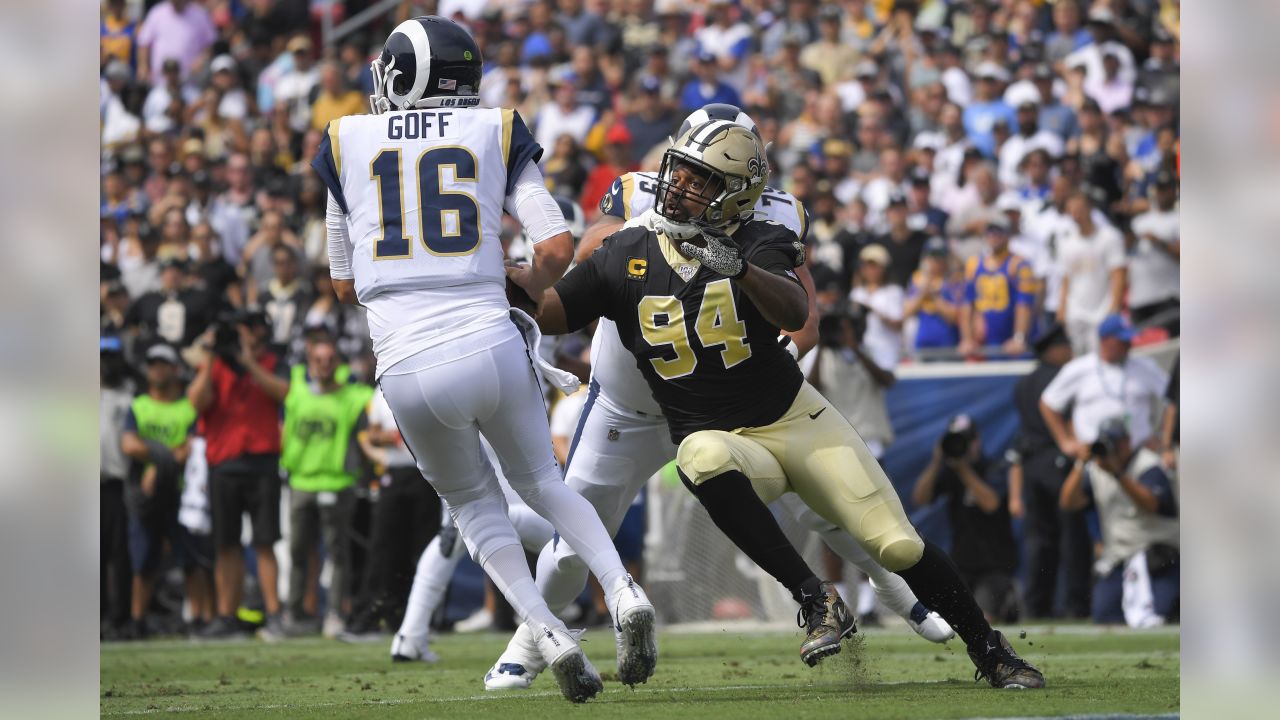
404	650
578	679
929	624
635	630
518	665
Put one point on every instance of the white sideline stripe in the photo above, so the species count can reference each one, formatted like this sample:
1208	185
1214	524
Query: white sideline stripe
490	695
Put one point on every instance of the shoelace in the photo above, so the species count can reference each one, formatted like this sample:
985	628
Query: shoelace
811	614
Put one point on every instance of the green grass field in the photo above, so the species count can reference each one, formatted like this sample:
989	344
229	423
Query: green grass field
732	674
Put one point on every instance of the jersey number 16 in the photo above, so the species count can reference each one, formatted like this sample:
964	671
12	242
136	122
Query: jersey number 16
448	220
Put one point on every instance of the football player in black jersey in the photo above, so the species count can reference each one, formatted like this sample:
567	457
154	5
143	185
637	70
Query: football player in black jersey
699	291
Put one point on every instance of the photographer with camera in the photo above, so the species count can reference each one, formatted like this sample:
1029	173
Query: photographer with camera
982	534
238	390
1138	568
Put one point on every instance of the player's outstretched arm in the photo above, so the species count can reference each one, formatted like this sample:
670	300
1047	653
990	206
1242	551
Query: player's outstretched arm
551	316
806	338
782	302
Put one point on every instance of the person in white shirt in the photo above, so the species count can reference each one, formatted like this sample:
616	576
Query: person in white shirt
1154	263
1101	385
882	304
1094	274
564	115
1029	137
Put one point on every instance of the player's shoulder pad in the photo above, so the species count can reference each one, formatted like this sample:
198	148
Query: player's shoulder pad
615	200
518	146
328	162
756	235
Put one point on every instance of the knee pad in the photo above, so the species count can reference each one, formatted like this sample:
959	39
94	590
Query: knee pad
704	455
900	553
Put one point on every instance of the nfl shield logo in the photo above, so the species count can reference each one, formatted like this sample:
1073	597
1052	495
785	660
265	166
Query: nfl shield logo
614	434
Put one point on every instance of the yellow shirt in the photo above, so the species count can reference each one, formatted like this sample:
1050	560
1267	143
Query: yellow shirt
331	107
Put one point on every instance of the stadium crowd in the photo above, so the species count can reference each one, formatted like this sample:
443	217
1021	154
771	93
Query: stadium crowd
983	180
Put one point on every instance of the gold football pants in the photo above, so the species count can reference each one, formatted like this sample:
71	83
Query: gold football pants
813	451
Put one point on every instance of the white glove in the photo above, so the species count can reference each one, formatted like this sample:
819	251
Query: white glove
720	253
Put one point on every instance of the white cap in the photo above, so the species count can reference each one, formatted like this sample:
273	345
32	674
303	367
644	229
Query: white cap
221	63
993	70
1008	200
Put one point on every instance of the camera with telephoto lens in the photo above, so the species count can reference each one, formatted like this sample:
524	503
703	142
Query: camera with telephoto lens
959	436
1102	448
226	335
955	445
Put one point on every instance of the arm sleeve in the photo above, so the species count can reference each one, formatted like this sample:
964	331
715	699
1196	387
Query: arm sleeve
529	202
518	147
584	291
335	222
327	167
1155	480
1062	389
130	421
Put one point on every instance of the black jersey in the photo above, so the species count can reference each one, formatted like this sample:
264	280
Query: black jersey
711	359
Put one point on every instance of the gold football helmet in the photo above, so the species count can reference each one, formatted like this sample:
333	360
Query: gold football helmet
731	159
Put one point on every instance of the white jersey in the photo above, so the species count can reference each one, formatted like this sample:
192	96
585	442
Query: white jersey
613	367
423	192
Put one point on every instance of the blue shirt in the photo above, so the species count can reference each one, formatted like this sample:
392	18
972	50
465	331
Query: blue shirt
694	97
980	119
995	289
933	331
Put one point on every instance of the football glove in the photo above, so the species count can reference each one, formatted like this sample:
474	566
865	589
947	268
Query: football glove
720	253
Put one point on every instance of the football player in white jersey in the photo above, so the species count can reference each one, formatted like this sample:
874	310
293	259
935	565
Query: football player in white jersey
416	195
623	439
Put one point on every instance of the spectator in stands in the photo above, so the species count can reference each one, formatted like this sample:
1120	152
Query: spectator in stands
233	213
565	115
988	107
882	302
831	58
848	375
1155	257
934	300
999	297
237	390
179	29
1056	540
974	208
1109	382
285	297
904	245
335	98
617	161
725	37
982	535
295	91
155	437
176	313
258	261
1094	276
1028	137
318	451
706	87
649	120
1137	504
115	567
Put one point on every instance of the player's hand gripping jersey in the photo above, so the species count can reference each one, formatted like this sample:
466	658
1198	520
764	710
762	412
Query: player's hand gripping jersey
697	339
423	192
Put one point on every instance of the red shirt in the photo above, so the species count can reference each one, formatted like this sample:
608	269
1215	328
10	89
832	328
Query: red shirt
243	419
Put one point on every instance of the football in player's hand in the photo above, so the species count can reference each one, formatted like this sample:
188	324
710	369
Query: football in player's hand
517	297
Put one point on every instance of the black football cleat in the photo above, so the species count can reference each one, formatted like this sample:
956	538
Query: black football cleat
827	621
1002	667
